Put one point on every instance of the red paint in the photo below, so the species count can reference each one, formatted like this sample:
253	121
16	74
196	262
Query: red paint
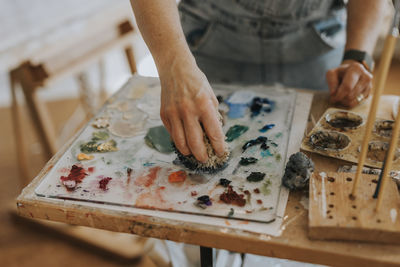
193	193
104	182
75	176
257	191
162	187
177	177
259	201
91	169
247	192
231	197
148	179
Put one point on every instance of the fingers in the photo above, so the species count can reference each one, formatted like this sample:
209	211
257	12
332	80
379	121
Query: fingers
332	78
214	132
178	134
194	137
346	86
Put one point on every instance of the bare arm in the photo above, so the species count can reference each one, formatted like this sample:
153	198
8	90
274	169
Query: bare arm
187	99
351	79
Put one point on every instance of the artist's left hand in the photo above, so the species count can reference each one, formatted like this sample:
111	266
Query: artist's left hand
349	83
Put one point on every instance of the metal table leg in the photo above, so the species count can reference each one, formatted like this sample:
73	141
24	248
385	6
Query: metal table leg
206	257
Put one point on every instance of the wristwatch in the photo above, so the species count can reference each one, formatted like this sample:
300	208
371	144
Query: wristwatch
360	56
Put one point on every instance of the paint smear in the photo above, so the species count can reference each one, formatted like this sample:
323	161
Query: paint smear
177	177
75	176
83	156
232	197
152	200
148	178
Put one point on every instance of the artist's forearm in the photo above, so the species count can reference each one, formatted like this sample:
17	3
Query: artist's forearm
364	23
159	23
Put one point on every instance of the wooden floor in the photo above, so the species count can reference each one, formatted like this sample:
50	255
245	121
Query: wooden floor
22	244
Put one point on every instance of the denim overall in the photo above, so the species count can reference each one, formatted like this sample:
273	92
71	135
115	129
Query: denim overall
291	42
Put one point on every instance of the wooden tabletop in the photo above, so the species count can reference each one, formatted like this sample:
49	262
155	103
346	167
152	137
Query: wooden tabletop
292	244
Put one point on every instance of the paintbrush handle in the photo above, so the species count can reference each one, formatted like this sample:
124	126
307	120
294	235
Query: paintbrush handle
389	159
378	86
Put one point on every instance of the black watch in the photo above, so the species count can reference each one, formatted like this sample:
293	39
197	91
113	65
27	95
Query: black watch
360	56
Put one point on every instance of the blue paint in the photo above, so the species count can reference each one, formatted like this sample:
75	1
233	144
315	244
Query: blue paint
148	164
266	128
238	103
236	110
266	153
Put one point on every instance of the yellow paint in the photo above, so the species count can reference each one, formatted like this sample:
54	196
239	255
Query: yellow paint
83	156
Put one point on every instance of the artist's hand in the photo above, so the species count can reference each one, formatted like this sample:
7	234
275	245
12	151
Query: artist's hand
187	102
349	81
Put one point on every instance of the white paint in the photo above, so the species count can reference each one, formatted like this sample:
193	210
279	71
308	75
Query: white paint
393	215
323	194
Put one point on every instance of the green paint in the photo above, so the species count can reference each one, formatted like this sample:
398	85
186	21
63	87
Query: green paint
265	188
278	157
278	135
89	147
159	139
255	177
235	131
96	136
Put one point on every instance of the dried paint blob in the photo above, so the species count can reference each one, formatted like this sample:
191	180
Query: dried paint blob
235	131
83	156
260	104
247	161
197	178
232	197
203	202
265	189
224	182
344	120
266	128
103	183
75	176
101	122
259	140
159	139
126	128
255	177
384	128
109	146
177	177
329	140
377	151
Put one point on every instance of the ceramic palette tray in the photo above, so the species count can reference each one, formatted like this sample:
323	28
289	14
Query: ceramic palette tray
339	134
136	175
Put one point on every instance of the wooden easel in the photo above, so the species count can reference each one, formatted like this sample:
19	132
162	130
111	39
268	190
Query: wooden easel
73	60
351	206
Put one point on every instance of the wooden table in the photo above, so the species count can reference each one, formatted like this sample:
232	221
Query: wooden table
292	244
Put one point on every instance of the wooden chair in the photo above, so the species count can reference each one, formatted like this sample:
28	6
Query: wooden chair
50	66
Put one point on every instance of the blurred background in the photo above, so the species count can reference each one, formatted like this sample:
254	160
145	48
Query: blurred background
59	61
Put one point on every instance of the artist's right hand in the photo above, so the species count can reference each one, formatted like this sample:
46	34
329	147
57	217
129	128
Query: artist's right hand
187	102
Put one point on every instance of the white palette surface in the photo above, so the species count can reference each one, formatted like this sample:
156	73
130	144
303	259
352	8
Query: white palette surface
138	101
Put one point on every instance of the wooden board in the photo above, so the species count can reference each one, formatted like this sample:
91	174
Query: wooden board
335	215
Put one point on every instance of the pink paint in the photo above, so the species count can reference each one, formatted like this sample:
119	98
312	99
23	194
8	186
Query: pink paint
148	179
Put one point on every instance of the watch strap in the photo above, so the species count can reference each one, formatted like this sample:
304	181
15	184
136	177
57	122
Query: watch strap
360	56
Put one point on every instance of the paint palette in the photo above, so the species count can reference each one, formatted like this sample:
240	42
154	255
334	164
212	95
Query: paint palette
339	134
127	172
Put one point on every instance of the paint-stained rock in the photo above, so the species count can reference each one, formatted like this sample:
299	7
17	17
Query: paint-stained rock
298	172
